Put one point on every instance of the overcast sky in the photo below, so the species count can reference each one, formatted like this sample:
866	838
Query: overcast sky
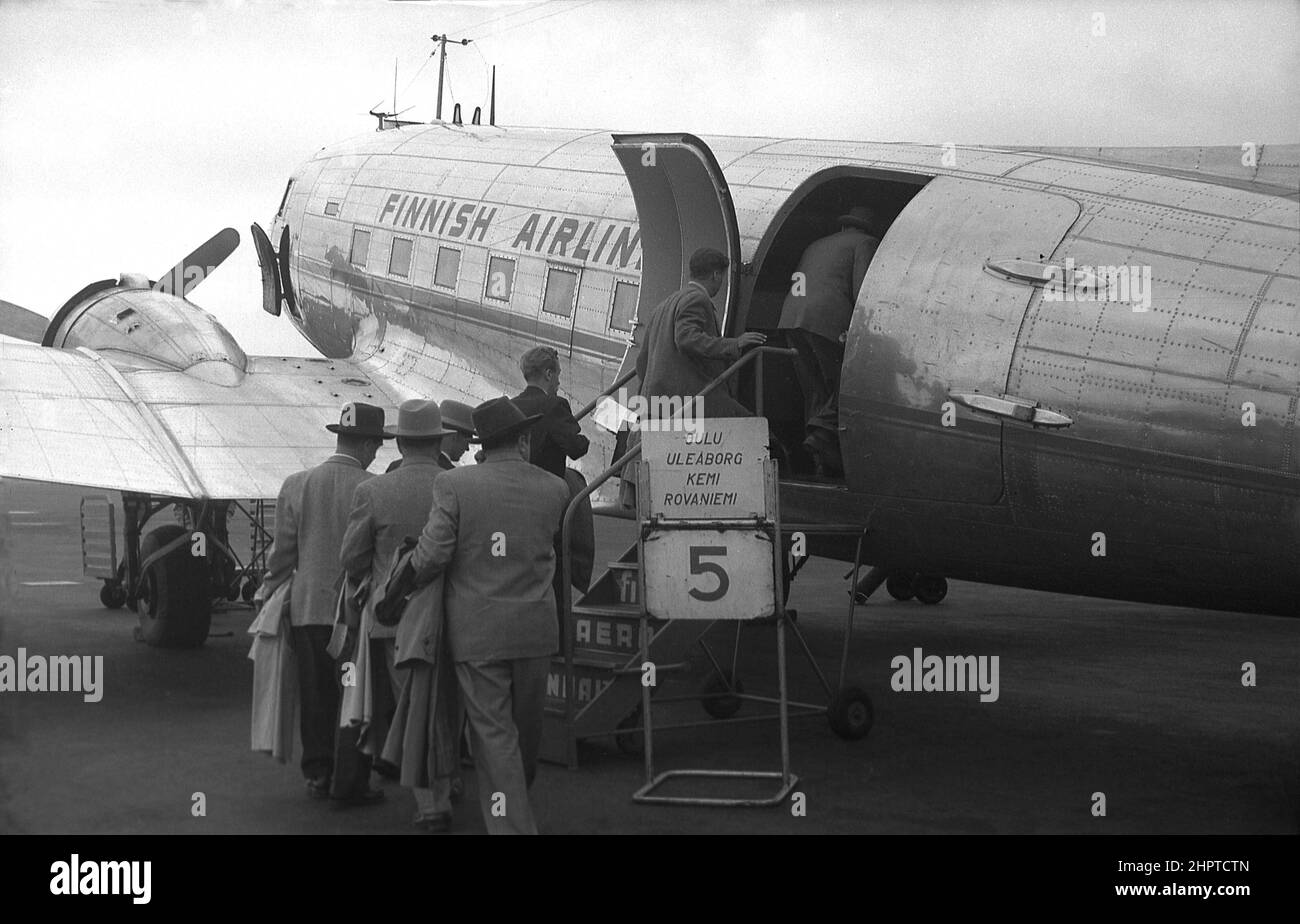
130	132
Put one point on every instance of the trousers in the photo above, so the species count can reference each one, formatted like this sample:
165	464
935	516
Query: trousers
818	369
318	694
504	703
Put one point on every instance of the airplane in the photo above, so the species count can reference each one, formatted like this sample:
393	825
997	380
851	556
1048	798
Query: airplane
993	431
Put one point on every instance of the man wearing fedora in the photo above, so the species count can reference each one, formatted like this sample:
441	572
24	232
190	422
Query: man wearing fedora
311	516
458	418
491	534
815	318
385	510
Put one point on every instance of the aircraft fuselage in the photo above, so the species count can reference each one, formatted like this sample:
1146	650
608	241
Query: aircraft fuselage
435	255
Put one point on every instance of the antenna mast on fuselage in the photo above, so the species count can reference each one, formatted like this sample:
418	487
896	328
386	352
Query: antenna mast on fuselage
442	65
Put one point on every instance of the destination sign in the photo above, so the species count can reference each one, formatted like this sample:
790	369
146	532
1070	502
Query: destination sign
713	470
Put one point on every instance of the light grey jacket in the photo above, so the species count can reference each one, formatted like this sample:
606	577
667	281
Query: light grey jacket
311	514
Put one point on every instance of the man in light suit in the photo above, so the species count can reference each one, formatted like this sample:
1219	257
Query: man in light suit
385	510
682	350
311	515
491	533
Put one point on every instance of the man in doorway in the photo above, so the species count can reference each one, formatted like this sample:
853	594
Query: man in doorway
683	349
815	318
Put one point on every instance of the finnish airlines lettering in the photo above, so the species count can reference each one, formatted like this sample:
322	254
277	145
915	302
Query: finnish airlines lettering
552	235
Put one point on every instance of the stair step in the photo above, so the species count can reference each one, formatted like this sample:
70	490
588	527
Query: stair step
616	610
593	660
623	565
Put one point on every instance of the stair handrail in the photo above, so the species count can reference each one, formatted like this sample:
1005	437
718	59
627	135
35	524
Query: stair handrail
753	355
617	384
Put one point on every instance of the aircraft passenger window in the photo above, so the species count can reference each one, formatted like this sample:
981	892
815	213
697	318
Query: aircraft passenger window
360	247
500	278
399	261
561	291
448	268
331	208
623	314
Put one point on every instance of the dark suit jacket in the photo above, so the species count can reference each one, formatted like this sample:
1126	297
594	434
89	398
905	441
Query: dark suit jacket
557	435
833	269
683	352
499	606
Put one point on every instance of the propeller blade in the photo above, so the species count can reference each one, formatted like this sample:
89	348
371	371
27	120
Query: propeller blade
182	278
18	322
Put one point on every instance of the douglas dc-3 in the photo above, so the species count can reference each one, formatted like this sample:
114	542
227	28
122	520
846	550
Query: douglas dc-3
992	430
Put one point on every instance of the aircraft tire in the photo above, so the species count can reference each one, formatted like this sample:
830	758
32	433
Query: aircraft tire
174	604
112	595
930	589
721	706
851	714
899	587
249	589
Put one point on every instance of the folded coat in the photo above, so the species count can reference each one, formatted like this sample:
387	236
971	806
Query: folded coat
424	737
275	678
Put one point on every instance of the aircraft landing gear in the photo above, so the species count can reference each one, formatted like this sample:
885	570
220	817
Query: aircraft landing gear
899	587
926	588
112	595
173	598
930	588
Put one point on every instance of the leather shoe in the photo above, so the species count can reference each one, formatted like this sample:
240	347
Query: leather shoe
318	787
365	797
435	824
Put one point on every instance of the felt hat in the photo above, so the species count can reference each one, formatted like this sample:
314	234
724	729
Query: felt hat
458	416
358	419
859	217
418	419
499	418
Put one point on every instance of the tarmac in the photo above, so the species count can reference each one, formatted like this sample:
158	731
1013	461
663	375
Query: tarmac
1143	705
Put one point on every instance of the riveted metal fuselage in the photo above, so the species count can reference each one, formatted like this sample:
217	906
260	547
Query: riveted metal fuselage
435	255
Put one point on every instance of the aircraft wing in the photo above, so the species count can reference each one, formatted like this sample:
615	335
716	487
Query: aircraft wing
82	418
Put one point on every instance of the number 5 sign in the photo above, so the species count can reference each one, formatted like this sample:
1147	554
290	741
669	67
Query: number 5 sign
709	574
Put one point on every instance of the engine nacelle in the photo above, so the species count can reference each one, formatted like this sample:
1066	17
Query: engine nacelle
150	329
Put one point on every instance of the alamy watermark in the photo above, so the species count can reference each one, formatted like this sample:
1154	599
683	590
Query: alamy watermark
652	413
75	876
33	673
922	673
1070	283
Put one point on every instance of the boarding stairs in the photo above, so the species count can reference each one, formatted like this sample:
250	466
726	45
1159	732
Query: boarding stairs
593	688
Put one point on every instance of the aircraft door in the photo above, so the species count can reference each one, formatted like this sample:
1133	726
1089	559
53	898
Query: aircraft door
682	204
930	322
